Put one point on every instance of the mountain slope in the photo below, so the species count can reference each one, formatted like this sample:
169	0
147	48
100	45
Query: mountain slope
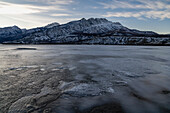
10	33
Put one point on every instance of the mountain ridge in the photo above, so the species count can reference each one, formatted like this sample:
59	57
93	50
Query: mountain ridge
81	32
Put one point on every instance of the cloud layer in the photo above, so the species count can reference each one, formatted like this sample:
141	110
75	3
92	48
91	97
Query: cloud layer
34	13
31	13
156	9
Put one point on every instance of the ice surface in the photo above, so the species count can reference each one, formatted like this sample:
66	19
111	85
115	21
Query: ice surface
62	76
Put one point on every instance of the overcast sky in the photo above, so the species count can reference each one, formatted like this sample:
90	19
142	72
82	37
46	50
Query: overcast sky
139	14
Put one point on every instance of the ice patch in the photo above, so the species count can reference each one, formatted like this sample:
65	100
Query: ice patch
63	85
55	69
110	90
71	68
126	74
23	67
58	63
32	83
84	90
121	83
45	90
80	76
19	69
42	69
31	66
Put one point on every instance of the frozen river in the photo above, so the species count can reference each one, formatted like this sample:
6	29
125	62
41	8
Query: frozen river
84	79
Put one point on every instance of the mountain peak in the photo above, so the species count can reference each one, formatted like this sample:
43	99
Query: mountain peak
54	24
83	19
15	27
95	19
98	20
11	27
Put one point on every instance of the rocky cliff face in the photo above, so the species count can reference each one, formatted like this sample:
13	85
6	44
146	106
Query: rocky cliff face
90	31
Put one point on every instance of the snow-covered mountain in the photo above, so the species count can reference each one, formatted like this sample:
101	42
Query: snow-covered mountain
89	31
10	33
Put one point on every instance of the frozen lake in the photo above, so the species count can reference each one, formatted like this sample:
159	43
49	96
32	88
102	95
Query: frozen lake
84	79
